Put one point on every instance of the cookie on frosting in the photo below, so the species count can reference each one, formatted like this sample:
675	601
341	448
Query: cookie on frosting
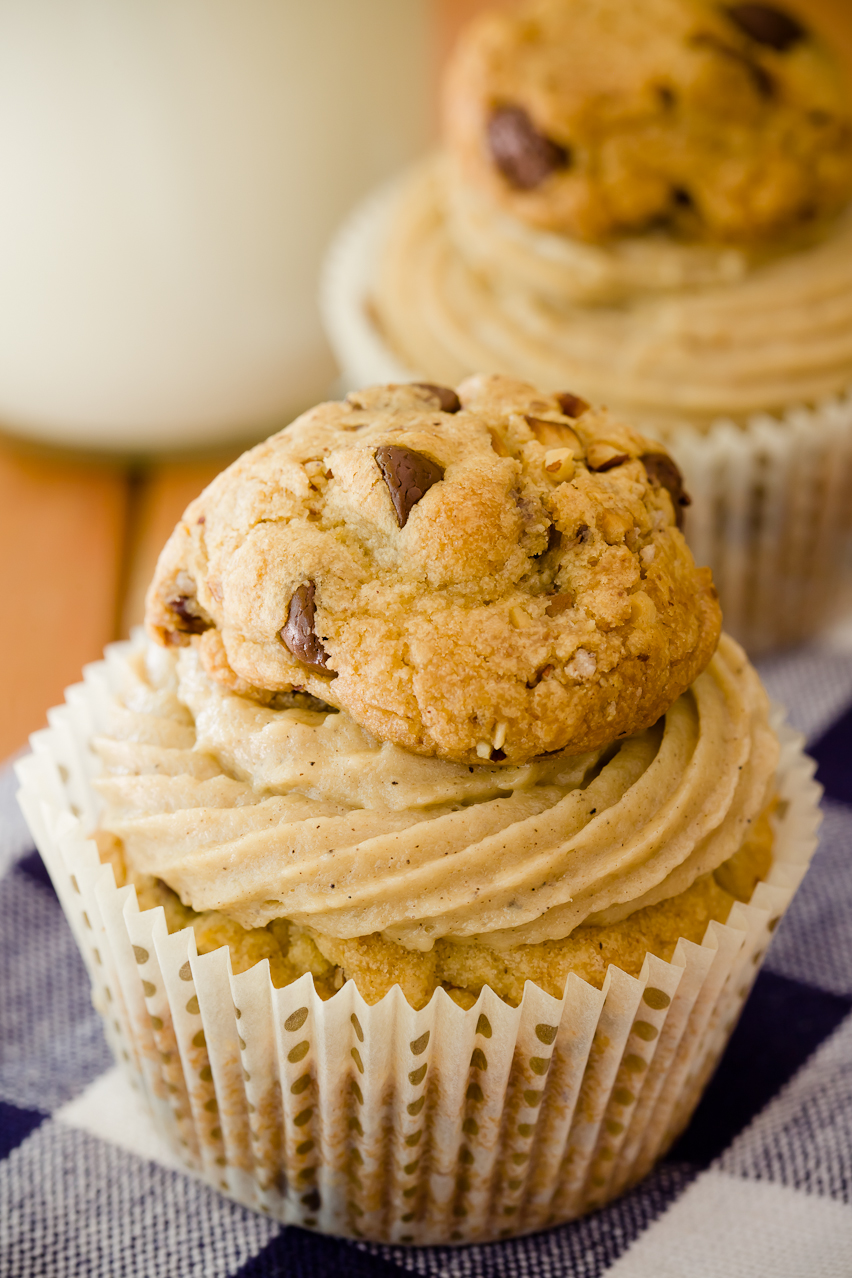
601	118
484	574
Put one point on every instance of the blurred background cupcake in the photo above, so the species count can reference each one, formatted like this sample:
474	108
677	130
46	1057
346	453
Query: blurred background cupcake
651	199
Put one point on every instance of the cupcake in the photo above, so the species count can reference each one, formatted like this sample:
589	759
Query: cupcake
648	203
425	850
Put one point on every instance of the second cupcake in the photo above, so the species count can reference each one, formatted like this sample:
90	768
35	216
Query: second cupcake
648	203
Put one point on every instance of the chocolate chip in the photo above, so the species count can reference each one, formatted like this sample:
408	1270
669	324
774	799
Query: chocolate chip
524	156
296	699
298	635
445	395
663	472
554	540
767	25
408	476
571	405
187	609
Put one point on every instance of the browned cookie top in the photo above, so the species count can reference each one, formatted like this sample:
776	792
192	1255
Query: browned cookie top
599	118
483	574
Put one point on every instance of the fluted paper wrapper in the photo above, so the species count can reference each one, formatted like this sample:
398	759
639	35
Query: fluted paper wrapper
382	1122
769	512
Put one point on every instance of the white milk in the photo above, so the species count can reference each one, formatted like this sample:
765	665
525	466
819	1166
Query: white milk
171	171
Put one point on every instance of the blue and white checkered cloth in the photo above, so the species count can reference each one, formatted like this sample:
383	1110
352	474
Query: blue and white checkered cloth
760	1183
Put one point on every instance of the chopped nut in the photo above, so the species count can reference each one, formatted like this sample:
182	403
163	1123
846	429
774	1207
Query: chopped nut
483	749
647	553
571	405
519	617
582	666
603	456
498	444
317	474
613	525
555	434
559	603
500	734
559	464
642	610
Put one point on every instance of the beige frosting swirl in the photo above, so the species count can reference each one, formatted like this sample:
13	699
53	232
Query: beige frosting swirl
266	813
666	331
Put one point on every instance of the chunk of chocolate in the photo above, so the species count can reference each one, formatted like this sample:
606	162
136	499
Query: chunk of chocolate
298	634
571	405
191	621
447	398
523	155
297	699
661	470
765	24
408	476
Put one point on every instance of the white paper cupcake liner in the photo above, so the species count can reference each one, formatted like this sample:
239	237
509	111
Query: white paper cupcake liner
431	1126
769	509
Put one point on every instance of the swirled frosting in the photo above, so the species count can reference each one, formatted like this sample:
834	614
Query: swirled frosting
263	813
666	331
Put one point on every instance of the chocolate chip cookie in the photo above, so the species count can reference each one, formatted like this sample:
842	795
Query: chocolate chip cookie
604	118
485	574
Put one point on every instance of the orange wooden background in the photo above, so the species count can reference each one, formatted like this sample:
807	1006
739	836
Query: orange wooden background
79	536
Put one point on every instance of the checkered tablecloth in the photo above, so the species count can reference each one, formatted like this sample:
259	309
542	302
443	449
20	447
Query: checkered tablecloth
760	1184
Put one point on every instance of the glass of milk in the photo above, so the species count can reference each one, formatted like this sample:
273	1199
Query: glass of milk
172	170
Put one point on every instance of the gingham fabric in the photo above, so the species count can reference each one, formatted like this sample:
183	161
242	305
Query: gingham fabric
760	1184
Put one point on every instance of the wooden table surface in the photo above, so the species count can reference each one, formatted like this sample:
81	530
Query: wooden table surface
79	536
